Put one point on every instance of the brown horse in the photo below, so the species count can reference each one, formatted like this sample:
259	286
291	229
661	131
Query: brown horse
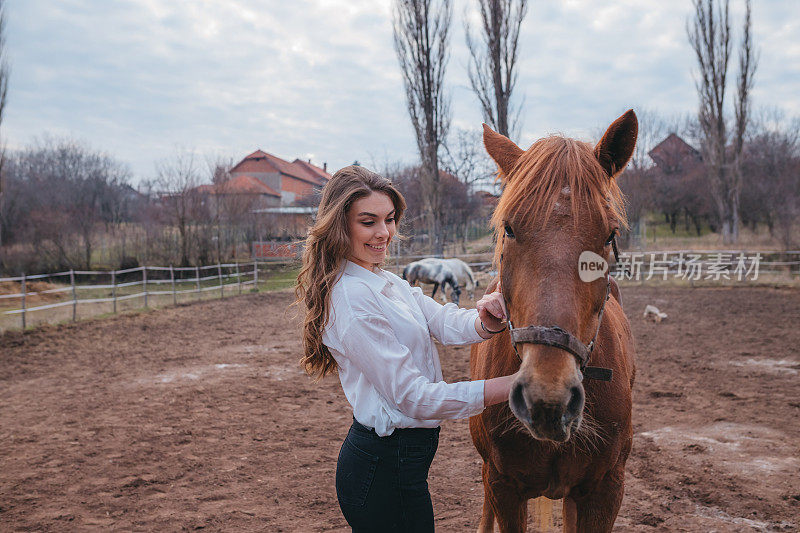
560	436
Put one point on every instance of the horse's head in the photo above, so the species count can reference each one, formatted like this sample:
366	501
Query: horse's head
560	199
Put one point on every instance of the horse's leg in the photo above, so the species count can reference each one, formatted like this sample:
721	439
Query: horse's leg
509	509
597	511
435	286
570	515
487	514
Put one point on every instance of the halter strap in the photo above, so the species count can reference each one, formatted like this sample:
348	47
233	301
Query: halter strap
557	337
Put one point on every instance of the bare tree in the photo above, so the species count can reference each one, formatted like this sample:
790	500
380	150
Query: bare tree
771	168
421	31
709	34
232	208
492	62
220	177
5	70
466	158
63	192
178	180
747	68
637	180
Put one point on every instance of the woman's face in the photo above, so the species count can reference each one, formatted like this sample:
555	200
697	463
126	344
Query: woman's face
371	226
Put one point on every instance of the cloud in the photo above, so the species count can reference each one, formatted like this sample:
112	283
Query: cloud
138	78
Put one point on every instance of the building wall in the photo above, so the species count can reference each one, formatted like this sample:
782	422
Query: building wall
270	179
292	188
267	200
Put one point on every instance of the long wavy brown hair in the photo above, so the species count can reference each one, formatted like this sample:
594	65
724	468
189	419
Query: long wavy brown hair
327	246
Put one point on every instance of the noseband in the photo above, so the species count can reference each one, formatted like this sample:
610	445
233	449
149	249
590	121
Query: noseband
556	336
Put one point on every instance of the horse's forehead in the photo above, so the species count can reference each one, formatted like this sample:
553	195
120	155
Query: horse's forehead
562	205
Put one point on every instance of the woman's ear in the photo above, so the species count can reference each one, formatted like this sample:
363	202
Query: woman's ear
616	147
504	152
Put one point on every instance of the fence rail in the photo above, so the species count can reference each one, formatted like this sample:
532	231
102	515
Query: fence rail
162	281
152	279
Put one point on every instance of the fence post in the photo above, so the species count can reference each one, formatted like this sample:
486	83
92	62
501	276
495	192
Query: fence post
255	276
172	279
114	289
24	290
197	277
238	278
219	274
74	296
144	283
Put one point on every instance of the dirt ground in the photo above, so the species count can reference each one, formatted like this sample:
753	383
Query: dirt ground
198	417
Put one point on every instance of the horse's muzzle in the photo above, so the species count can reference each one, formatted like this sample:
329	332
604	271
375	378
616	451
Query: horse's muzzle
552	418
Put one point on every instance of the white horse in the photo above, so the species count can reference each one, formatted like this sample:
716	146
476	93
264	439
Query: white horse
462	272
436	272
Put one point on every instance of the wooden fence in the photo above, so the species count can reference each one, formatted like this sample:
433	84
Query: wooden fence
690	265
152	281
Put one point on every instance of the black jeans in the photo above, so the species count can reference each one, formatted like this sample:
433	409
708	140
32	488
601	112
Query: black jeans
382	482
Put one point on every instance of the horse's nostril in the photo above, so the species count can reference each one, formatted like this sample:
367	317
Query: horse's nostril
517	399
575	404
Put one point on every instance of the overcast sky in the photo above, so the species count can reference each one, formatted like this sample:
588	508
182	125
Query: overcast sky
318	79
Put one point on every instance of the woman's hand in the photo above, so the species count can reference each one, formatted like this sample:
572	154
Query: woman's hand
491	314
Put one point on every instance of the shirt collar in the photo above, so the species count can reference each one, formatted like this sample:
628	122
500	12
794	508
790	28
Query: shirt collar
374	279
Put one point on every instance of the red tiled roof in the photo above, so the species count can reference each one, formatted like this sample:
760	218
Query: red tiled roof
321	175
249	184
239	185
261	161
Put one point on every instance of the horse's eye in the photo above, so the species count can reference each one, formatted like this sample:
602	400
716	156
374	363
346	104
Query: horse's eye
611	237
509	231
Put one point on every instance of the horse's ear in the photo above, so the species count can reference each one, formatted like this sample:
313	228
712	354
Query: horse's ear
504	152
616	147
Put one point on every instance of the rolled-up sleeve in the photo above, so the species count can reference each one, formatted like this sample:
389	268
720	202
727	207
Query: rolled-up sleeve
371	346
448	323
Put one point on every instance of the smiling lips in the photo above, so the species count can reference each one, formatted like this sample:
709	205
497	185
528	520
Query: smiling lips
377	248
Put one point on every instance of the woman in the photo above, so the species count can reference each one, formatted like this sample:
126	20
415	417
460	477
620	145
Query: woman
375	330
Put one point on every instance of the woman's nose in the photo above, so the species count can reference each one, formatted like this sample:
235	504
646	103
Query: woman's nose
383	230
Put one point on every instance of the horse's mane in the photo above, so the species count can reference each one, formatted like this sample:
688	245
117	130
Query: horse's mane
540	174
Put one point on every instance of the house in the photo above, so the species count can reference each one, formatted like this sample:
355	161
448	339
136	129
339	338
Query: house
248	189
295	183
673	155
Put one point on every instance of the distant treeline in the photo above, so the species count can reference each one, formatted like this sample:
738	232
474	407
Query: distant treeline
64	205
677	182
67	206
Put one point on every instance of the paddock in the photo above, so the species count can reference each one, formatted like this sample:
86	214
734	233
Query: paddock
198	417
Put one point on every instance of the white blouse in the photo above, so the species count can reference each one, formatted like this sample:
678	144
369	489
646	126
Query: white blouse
379	331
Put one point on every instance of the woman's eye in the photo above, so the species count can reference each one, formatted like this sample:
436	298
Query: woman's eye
368	222
509	231
389	220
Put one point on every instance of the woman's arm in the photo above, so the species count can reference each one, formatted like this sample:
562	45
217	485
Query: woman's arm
372	348
452	325
491	320
496	390
448	323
